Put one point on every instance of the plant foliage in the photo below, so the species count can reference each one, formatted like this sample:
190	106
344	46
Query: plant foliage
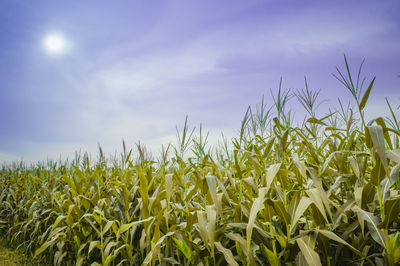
325	193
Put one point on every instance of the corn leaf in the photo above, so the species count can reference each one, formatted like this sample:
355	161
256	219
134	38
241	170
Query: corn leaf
300	209
391	211
227	254
257	205
309	254
366	95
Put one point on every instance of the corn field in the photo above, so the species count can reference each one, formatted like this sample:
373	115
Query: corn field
325	192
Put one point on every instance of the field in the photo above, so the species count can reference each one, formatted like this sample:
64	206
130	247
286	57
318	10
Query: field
325	192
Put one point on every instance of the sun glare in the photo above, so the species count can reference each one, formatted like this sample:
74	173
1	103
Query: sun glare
54	44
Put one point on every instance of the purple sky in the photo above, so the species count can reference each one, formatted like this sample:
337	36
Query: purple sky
134	69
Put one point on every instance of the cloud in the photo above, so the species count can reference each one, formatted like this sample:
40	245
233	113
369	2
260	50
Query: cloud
134	93
137	78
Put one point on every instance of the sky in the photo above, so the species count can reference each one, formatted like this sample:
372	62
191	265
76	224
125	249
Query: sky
133	70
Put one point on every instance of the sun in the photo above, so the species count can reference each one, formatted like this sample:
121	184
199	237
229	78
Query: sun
54	44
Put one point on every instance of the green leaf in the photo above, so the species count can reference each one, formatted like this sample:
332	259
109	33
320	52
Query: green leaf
168	185
211	224
393	250
366	95
385	189
309	254
202	224
108	248
238	170
170	261
313	120
240	240
107	226
395	174
334	237
227	254
241	243
300	209
183	248
271	173
108	260
380	121
394	155
149	256
272	258
378	141
372	223
368	194
124	227
42	248
257	205
212	186
391	211
94	244
57	221
301	166
316	198
327	161
48	243
354	166
280	210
